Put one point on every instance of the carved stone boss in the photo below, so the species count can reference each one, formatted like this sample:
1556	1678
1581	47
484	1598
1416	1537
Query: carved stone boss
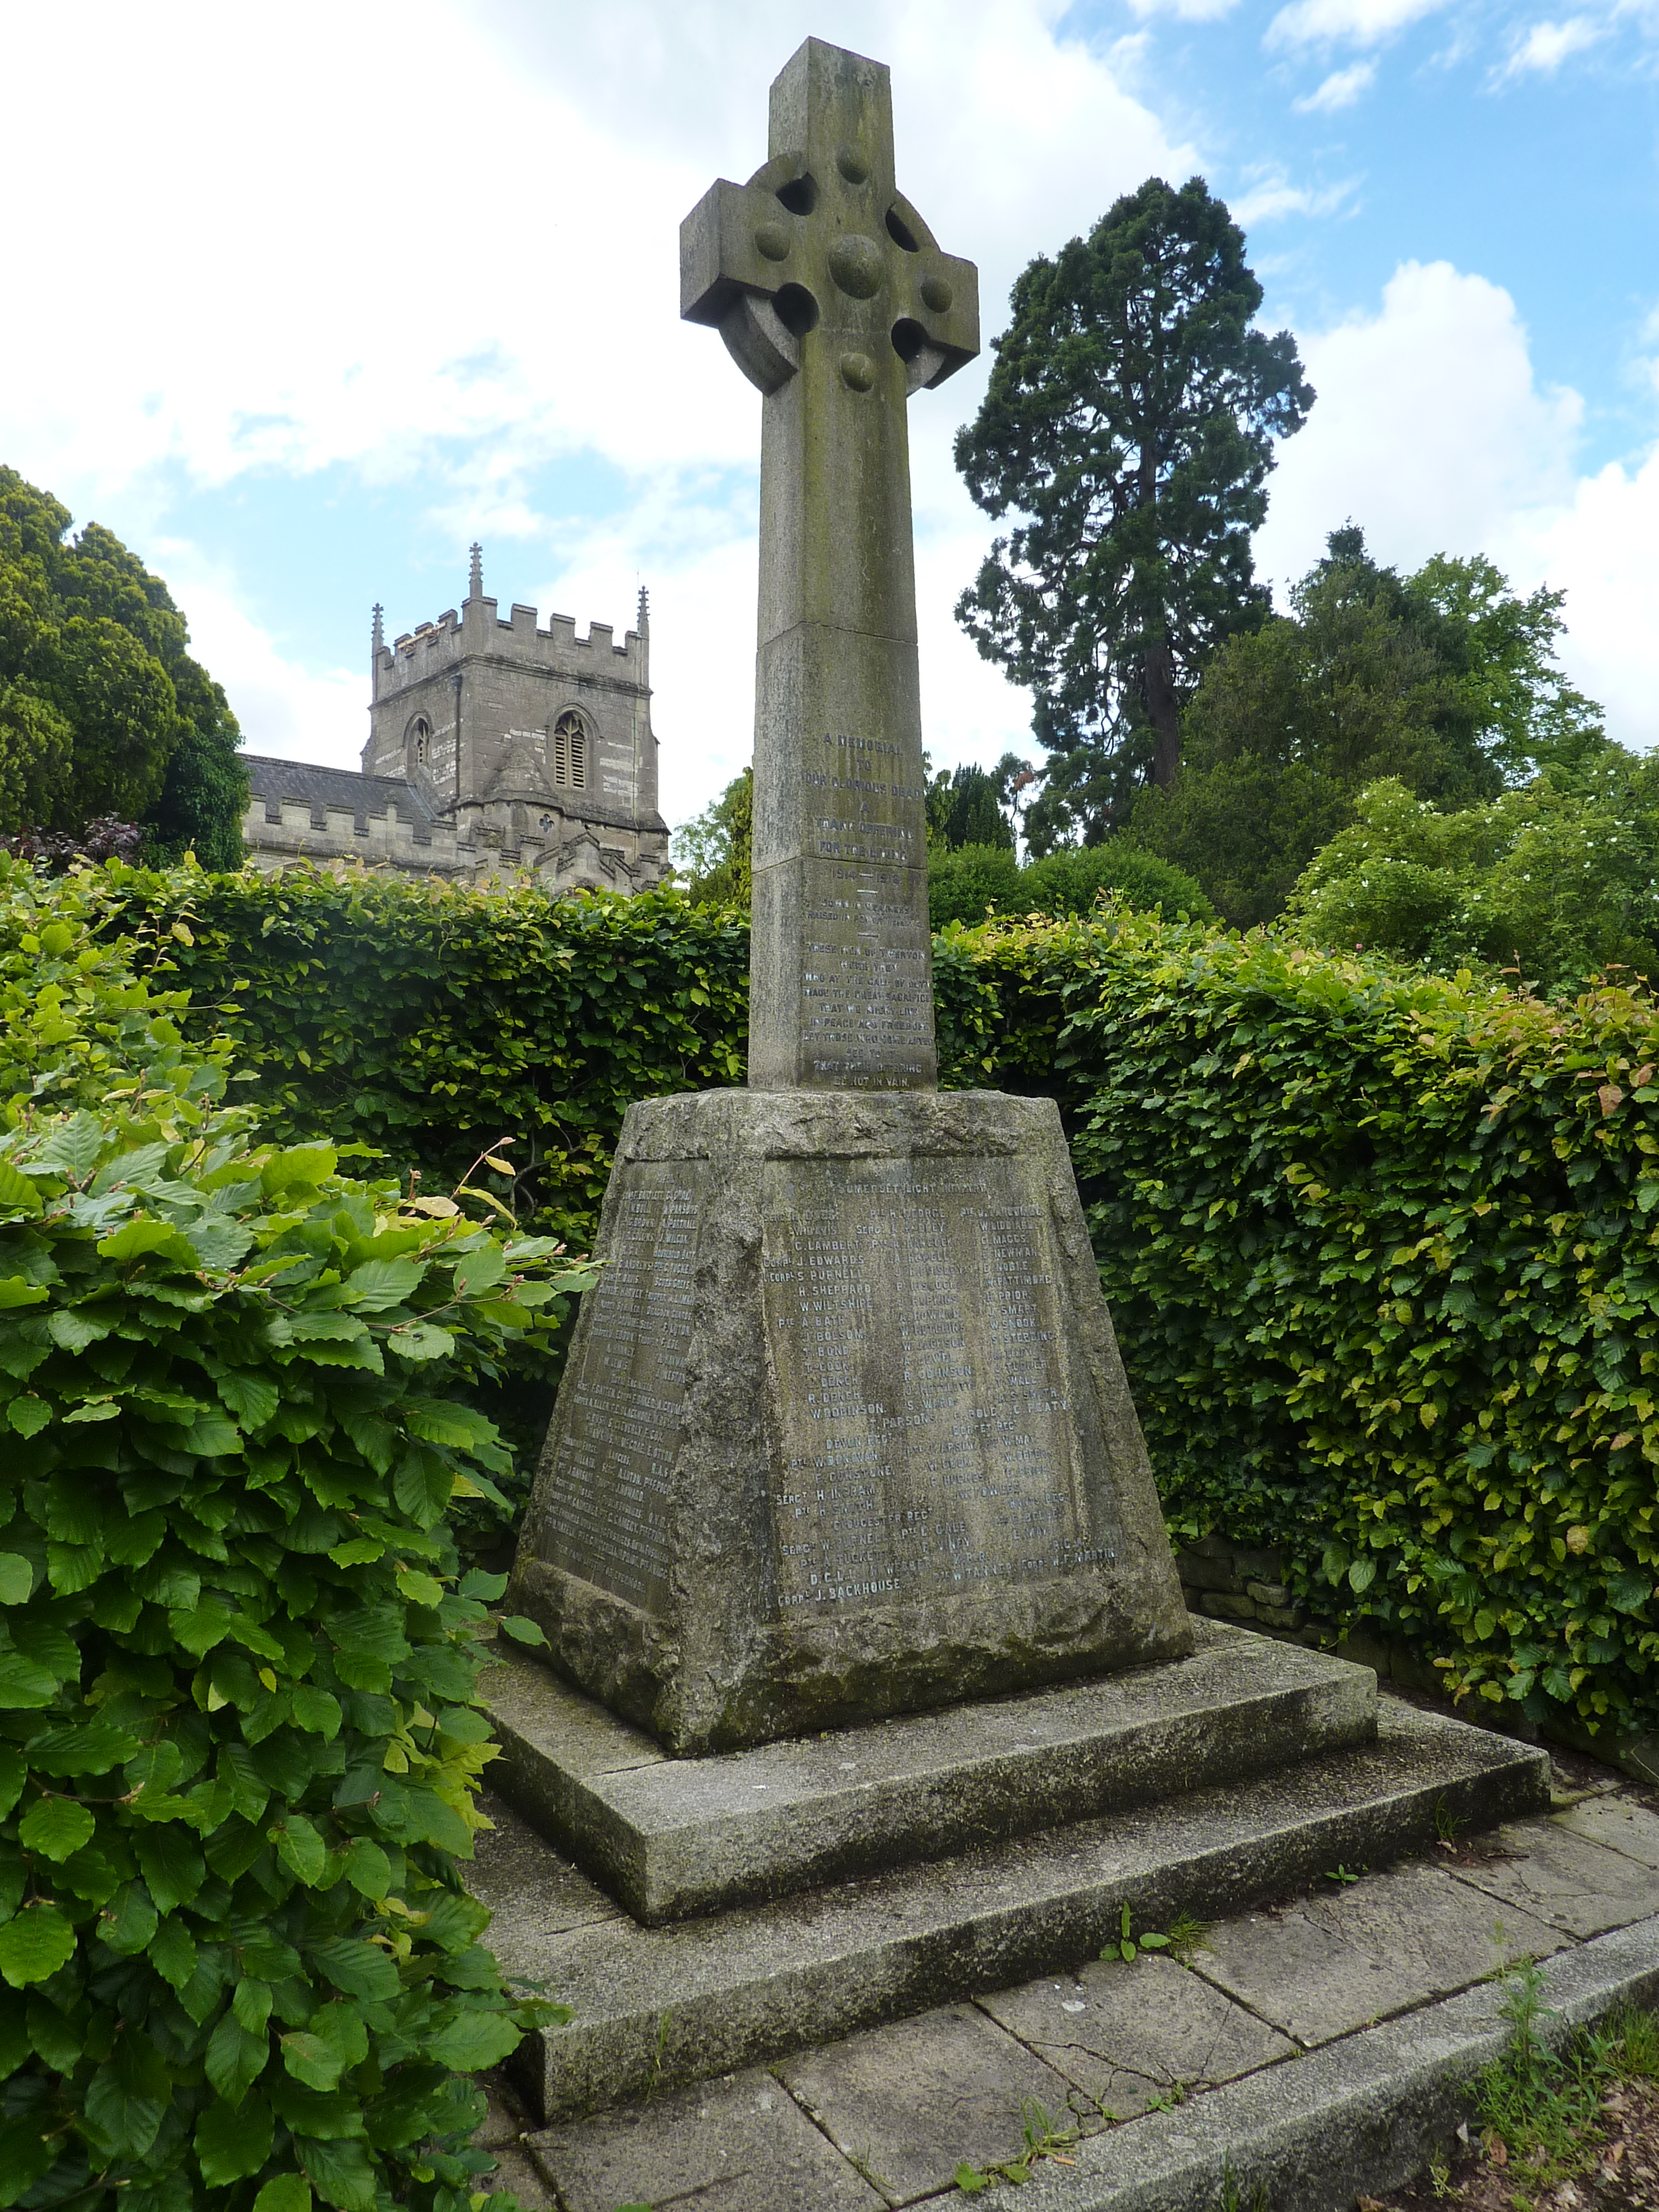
833	297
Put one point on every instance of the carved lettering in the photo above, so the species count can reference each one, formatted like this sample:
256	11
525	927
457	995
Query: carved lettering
928	1444
604	1510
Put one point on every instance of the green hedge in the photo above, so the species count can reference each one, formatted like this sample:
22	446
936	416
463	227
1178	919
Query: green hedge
1378	1245
428	1023
239	1736
1382	1254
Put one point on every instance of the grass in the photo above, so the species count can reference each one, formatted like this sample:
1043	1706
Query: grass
1544	2105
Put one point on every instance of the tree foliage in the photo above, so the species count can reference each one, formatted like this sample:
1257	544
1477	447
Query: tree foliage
102	710
714	848
965	807
1444	680
1130	424
1558	880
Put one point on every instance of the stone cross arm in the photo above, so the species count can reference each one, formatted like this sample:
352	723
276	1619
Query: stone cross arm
763	262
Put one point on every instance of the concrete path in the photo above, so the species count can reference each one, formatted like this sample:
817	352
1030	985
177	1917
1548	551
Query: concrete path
886	2118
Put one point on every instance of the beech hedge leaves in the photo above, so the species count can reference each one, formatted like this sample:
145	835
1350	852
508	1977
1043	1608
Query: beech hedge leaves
1379	1244
1382	1255
238	1739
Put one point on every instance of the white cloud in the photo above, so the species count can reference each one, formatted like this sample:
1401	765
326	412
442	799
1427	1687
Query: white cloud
1341	89
1186	11
283	708
1541	51
1270	195
1429	427
1431	431
436	241
1359	22
1603	548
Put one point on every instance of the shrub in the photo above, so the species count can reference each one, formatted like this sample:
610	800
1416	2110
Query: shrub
427	1022
965	880
1382	1255
1072	880
239	1742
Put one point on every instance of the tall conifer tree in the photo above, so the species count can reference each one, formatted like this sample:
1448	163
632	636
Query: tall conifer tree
1128	426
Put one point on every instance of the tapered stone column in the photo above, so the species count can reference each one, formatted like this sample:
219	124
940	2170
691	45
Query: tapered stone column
833	297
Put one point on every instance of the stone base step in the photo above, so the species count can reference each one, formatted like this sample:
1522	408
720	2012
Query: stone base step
657	2007
672	1838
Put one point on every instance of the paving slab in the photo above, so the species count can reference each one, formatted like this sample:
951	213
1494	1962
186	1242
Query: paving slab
657	2007
671	1838
738	2145
910	2103
1358	2117
1558	1874
1620	1824
1327	1965
1128	2036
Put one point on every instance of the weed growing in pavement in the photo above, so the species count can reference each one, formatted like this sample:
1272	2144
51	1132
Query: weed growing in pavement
1043	2139
1448	1825
1184	1934
1232	2198
1543	2106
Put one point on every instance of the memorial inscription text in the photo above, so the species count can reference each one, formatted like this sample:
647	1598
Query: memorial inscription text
604	1510
928	1447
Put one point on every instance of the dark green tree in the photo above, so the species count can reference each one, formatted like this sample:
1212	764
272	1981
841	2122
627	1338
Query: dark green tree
102	710
1443	681
1130	424
965	808
713	849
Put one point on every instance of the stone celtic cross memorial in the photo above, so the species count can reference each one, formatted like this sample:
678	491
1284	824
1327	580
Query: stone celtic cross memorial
877	1688
844	1431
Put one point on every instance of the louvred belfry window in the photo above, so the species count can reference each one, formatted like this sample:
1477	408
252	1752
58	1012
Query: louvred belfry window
570	752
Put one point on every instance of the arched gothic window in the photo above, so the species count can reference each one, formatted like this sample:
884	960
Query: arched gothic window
570	752
420	741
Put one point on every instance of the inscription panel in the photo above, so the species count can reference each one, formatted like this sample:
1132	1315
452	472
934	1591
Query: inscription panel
866	1019
929	1447
604	1507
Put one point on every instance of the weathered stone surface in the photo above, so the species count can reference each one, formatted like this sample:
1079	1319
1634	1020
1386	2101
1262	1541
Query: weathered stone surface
662	2006
1615	1821
1359	2118
1127	2036
1561	1876
912	2102
844	1429
1327	1965
833	297
1223	1605
735	2146
670	1838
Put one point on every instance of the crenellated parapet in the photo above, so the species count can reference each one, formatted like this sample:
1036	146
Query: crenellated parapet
432	647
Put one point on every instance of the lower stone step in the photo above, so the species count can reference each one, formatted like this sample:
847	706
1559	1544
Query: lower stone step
657	2007
672	1838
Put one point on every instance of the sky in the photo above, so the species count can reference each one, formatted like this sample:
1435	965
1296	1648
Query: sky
300	304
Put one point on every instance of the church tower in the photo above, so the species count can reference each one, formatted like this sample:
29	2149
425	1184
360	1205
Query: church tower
534	745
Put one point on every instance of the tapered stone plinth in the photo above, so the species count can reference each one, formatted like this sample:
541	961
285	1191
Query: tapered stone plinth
844	1431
